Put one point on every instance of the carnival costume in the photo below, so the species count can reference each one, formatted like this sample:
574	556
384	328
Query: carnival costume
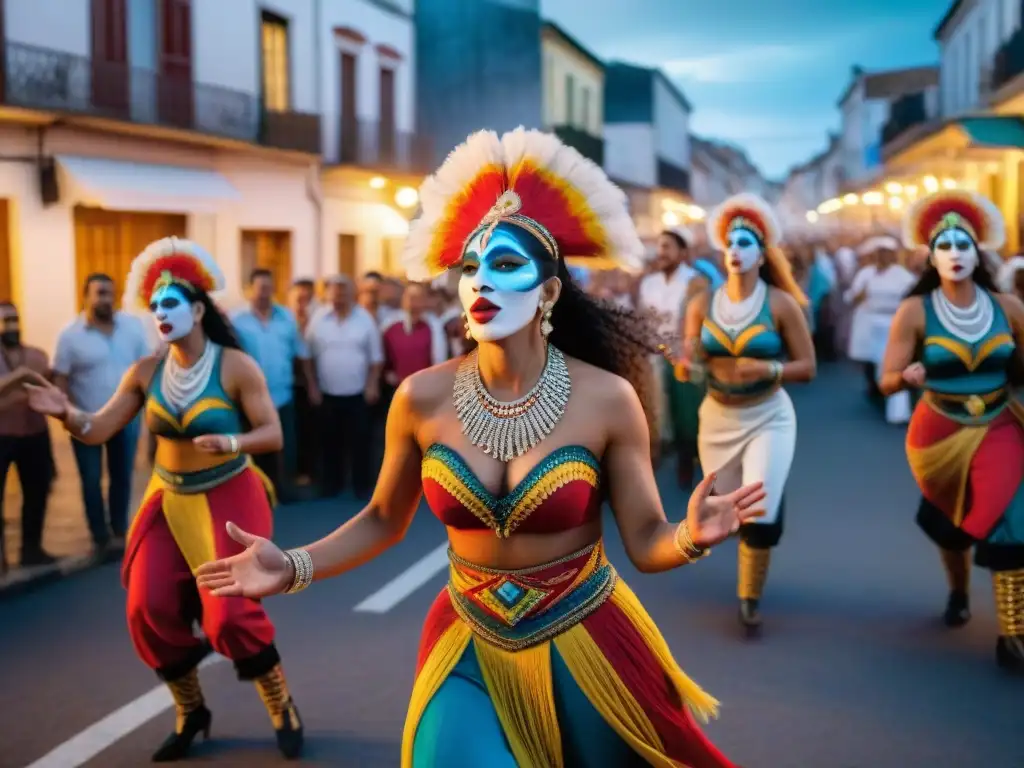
965	443
749	442
180	523
558	664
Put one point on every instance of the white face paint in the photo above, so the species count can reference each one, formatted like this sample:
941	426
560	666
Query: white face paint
172	313
500	287
744	252
954	254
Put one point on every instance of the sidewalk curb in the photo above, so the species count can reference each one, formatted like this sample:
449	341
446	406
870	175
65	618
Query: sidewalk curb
18	582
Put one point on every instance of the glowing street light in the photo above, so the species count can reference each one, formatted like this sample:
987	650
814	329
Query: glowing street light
895	203
407	197
669	219
851	199
948	184
873	198
378	182
812	217
893	188
931	184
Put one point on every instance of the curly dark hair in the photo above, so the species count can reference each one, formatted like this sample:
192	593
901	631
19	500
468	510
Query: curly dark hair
609	337
215	323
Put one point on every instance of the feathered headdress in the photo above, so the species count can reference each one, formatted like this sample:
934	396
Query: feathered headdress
750	212
528	179
962	209
171	261
1008	273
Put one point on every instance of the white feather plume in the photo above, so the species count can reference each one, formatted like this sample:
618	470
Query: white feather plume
773	230
1008	272
878	243
993	219
158	249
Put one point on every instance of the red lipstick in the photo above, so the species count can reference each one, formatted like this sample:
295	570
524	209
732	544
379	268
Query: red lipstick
483	311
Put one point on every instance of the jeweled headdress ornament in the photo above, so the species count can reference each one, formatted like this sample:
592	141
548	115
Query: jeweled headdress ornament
754	214
963	209
171	261
530	180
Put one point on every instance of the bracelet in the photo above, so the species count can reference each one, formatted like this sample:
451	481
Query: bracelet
77	422
233	444
302	565
777	370
685	545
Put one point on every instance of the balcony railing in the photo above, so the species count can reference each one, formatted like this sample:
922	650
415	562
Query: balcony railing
906	112
40	78
582	141
372	144
1009	60
673	177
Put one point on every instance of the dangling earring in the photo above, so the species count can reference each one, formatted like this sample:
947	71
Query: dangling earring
465	322
545	323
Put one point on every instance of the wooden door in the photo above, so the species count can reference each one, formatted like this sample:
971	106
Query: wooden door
348	255
391	257
175	98
265	249
386	127
6	283
109	60
108	241
349	123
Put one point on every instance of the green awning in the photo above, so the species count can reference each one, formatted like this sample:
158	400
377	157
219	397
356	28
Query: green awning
1005	132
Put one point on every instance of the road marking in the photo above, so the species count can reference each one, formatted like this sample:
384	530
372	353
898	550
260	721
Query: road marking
82	748
407	582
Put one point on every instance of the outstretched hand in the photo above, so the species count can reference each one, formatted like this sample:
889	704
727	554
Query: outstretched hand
259	571
712	519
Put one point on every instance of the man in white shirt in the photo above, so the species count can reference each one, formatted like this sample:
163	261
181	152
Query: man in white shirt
93	353
345	343
666	289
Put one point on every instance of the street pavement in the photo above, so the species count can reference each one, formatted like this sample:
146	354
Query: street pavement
853	669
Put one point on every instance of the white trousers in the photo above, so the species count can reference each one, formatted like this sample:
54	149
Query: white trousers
749	444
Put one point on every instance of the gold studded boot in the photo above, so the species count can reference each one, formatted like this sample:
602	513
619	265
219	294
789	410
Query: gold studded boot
753	573
273	689
192	718
958	574
1009	594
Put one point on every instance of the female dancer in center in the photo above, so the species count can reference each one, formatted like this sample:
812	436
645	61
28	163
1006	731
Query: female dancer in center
965	443
196	397
536	654
753	336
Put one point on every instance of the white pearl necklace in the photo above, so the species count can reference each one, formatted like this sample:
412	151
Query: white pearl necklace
733	316
181	386
969	323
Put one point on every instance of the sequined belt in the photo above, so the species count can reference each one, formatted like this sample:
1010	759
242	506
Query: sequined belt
205	479
521	608
969	409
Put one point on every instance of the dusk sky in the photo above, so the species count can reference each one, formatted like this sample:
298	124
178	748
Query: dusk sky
765	75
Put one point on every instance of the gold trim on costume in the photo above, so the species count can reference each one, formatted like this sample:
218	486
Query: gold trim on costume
735	346
753	571
1008	587
965	353
188	697
273	690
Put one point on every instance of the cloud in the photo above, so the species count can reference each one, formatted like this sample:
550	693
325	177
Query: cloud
745	65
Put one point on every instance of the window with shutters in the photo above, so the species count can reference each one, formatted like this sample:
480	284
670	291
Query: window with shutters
276	63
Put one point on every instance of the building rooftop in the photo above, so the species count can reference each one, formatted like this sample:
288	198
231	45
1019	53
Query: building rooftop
553	29
892	83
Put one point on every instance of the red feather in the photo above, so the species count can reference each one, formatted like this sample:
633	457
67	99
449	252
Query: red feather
546	200
182	267
468	208
933	213
750	214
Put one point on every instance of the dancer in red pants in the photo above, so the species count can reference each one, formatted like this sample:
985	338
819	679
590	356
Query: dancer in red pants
196	399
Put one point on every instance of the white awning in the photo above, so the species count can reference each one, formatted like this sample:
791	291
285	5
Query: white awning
123	186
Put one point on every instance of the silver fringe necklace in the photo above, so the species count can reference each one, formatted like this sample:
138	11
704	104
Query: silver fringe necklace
181	386
508	430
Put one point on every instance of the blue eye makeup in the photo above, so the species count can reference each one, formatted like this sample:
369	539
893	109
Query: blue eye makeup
504	263
166	298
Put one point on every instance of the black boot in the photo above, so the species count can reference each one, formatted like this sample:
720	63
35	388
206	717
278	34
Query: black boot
958	610
193	718
284	715
750	615
1010	654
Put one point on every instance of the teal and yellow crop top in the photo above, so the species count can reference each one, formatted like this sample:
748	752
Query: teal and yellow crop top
967	379
759	339
213	412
